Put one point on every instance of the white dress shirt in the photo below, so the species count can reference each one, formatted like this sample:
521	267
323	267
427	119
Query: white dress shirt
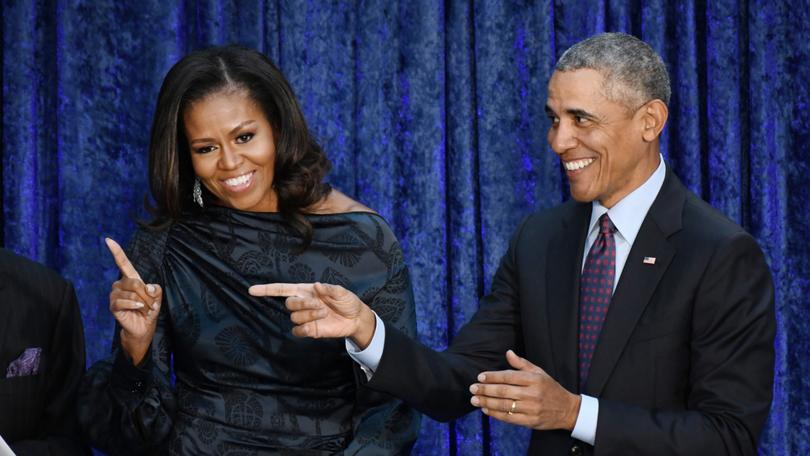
627	215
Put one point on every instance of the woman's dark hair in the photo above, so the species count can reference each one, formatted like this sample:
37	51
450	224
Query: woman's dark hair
300	164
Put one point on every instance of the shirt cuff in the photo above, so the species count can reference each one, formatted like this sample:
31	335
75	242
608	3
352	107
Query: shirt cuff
585	428
369	358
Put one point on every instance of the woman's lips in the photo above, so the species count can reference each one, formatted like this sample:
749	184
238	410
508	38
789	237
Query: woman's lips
239	183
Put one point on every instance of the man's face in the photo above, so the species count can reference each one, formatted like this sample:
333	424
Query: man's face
599	142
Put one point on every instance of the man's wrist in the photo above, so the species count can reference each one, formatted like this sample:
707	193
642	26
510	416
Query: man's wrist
571	421
366	324
369	358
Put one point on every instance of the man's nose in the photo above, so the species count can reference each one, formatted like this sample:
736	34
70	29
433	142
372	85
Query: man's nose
562	137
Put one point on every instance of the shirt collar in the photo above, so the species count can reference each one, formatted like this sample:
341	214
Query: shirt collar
629	213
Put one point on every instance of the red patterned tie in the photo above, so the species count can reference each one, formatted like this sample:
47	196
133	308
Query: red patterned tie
595	291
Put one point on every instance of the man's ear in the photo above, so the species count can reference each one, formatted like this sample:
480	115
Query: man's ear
654	116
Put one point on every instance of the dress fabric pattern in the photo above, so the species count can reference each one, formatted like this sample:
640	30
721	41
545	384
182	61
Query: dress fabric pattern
243	384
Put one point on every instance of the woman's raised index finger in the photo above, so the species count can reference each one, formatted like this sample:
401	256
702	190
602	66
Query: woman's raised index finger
121	260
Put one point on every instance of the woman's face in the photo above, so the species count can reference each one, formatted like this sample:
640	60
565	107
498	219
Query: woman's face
232	150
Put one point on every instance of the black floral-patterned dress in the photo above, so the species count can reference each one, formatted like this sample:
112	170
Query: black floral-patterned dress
225	375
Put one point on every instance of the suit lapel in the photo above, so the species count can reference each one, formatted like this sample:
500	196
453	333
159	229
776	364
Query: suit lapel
638	280
5	304
562	292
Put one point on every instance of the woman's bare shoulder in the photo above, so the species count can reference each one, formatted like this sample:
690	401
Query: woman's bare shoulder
337	203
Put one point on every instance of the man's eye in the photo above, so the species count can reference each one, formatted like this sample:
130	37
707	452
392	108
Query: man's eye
244	138
205	150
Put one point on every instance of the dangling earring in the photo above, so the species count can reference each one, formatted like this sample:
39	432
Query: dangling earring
197	193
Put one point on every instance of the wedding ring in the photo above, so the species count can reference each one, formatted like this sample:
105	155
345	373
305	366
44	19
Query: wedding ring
512	409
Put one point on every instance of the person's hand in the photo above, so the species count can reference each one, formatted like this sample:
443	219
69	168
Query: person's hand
527	396
135	306
321	310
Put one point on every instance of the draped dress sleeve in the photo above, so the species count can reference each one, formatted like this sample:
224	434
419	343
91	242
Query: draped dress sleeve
383	424
128	409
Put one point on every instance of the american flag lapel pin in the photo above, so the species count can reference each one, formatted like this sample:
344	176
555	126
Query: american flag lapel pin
649	260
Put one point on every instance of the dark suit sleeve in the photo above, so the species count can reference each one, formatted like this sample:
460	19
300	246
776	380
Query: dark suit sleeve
437	384
731	371
384	425
59	427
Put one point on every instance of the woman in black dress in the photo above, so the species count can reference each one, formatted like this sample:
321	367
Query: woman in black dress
201	367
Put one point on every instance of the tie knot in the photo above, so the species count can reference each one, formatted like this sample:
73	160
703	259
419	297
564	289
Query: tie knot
606	226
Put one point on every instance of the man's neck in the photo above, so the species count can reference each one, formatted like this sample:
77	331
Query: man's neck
642	175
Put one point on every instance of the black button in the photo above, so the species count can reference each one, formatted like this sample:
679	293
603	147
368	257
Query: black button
575	450
138	387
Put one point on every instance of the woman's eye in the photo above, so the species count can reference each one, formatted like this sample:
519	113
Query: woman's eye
205	150
244	138
580	119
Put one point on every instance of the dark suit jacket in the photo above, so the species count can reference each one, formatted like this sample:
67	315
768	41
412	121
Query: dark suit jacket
684	363
38	309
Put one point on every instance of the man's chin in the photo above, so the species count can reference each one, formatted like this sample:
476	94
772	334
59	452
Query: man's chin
581	197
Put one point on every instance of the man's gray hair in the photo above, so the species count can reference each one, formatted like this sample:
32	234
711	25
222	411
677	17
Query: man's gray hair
634	73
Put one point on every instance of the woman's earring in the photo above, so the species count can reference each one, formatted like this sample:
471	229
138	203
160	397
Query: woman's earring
197	193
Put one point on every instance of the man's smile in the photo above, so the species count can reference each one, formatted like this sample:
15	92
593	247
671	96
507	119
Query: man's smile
576	165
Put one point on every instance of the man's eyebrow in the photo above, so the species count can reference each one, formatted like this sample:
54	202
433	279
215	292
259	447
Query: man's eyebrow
580	113
574	112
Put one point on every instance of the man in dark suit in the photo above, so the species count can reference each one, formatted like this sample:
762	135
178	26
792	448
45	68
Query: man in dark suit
645	317
41	359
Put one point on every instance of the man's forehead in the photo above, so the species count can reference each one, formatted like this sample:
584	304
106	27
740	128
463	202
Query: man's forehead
578	86
581	79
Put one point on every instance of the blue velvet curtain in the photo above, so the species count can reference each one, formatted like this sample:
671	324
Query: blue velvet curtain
432	113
